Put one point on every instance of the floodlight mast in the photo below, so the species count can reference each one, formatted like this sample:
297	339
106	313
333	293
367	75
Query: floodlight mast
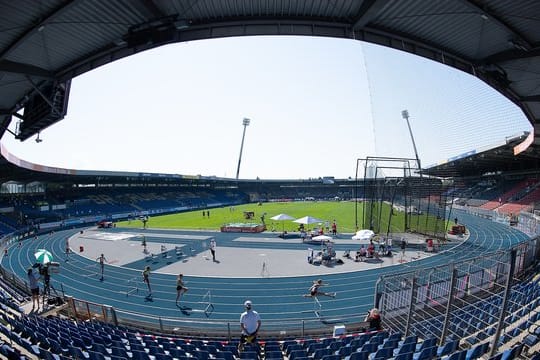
405	115
245	122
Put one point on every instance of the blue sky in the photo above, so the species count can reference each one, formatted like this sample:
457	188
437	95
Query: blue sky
316	106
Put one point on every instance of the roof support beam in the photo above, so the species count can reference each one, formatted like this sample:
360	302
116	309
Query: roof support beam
148	6
20	68
512	54
37	27
518	38
530	98
368	10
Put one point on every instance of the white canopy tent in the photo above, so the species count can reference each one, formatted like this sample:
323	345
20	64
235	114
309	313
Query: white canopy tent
364	235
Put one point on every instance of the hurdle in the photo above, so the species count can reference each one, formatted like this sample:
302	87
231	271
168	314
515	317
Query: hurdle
131	289
317	307
92	268
206	301
178	251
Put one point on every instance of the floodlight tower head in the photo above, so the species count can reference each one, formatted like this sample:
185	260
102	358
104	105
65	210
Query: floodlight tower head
405	114
246	121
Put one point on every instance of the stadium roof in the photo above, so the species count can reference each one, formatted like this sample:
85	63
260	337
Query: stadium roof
44	44
504	157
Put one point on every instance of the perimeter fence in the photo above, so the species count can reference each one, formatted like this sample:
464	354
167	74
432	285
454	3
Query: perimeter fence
480	300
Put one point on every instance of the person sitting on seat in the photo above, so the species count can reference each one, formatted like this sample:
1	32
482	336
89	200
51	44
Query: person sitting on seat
310	256
429	245
374	319
370	250
361	254
389	250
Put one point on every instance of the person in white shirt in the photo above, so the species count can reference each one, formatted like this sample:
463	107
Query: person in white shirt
250	322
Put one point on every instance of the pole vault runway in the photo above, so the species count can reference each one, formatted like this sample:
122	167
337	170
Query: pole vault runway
273	273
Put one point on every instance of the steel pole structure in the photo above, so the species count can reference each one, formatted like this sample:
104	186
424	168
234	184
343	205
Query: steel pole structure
405	115
245	122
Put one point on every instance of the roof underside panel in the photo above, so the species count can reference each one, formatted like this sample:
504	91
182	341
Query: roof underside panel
45	42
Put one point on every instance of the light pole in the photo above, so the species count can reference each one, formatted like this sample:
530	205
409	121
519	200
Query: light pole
405	115
245	122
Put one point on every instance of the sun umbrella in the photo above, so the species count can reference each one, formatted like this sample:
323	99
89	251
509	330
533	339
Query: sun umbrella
322	238
306	220
282	217
43	256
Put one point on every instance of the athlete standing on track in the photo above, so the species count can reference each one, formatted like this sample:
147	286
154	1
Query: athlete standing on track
101	259
180	287
146	279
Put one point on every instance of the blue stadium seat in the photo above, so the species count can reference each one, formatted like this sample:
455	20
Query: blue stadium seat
382	354
298	353
139	355
94	355
389	344
252	355
427	343
100	348
277	355
46	354
153	350
223	354
331	357
369	347
476	352
344	351
272	348
395	336
447	348
314	346
319	353
176	353
293	347
217	344
336	345
119	351
404	356
512	353
359	355
530	340
405	348
160	356
497	356
231	348
426	353
201	354
412	339
288	343
77	353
